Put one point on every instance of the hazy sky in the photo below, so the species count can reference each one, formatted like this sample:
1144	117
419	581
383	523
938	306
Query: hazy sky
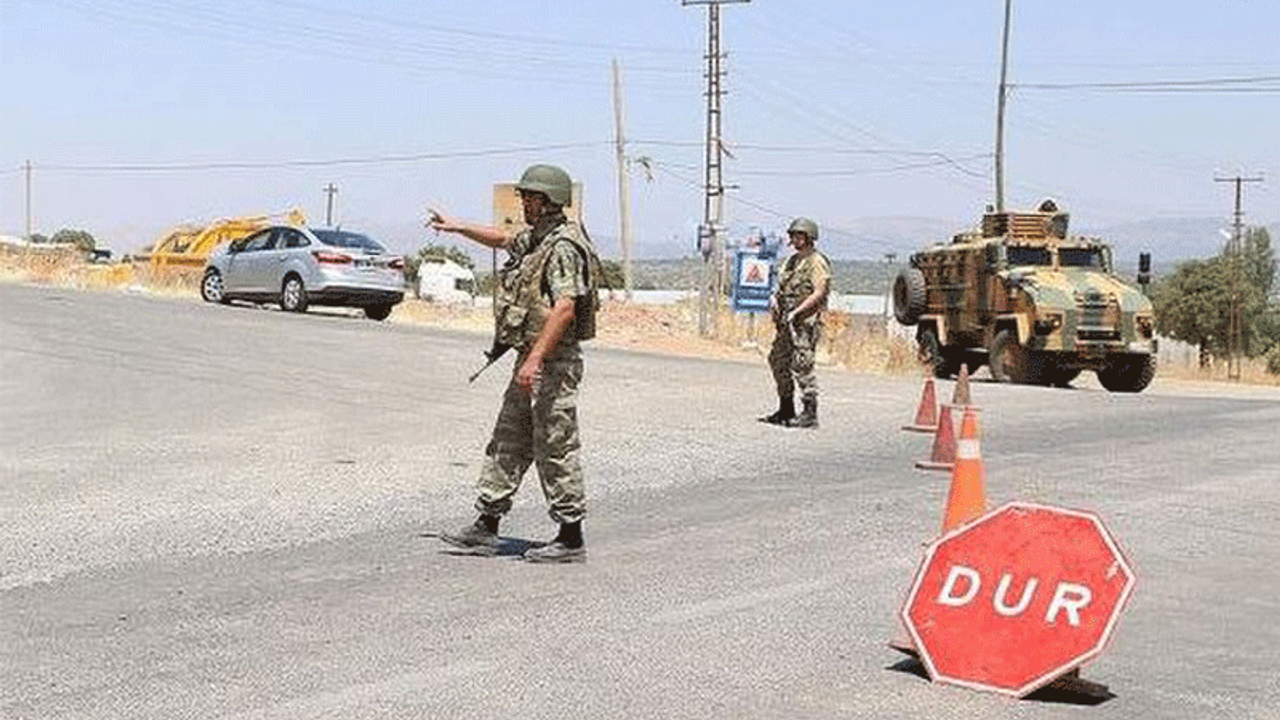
140	114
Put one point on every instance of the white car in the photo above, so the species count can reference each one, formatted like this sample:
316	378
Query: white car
298	267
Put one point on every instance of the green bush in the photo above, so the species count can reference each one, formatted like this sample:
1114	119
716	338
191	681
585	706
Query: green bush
1273	359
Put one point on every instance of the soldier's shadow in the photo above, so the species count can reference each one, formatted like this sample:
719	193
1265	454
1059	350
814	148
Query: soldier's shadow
1066	690
507	547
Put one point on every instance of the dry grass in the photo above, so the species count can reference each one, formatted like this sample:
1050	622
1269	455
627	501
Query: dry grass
1252	372
673	329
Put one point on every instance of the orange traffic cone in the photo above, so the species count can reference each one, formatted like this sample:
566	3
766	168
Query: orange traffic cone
944	444
927	414
967	498
960	397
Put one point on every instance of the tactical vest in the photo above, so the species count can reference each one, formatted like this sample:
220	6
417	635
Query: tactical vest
795	282
521	307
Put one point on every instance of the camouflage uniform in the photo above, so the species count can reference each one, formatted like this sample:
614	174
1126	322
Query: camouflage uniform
792	356
541	429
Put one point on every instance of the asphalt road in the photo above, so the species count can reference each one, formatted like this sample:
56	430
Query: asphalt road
217	512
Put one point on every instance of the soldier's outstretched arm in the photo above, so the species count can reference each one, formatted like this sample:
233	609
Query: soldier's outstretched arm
488	235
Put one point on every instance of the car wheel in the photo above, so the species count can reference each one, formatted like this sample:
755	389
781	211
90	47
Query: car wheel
211	287
293	295
377	312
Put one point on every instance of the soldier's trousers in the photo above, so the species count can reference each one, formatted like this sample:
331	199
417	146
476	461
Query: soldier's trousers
792	359
541	430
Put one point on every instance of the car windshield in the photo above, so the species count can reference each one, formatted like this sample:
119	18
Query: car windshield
1023	255
1080	257
343	239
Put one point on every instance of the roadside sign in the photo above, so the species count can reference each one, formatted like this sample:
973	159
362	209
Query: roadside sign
753	279
1017	598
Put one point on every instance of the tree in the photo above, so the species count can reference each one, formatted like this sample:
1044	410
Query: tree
1262	324
1190	306
1193	303
1259	260
614	278
80	238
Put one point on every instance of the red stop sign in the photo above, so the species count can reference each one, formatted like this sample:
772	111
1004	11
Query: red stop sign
1017	597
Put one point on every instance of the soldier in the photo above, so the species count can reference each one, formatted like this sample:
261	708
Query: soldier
546	303
796	308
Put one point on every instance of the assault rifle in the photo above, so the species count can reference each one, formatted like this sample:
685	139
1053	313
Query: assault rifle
493	353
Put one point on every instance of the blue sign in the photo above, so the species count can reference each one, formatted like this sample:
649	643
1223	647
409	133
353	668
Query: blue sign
754	277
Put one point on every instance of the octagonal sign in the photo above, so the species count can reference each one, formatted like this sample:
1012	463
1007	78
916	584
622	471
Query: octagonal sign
1016	598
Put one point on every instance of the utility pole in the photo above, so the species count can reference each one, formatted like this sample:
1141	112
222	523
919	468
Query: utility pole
330	190
1000	101
713	204
889	259
624	185
1235	319
28	169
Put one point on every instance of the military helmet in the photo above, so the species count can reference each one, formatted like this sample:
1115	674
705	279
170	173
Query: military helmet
549	180
806	226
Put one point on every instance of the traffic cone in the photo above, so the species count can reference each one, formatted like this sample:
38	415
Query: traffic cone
944	444
960	398
927	414
967	498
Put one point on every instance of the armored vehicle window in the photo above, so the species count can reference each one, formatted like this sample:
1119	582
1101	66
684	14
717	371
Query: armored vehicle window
1022	255
1081	257
994	259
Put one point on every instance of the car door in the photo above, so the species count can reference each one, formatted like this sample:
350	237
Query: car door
294	254
241	263
270	263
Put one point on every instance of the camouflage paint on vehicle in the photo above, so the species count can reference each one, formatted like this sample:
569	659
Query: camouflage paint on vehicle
1037	304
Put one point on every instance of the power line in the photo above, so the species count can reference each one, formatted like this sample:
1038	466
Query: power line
444	56
1236	84
664	168
276	164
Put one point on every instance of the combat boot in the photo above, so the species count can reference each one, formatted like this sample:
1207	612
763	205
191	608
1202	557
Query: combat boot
479	538
786	411
567	547
808	417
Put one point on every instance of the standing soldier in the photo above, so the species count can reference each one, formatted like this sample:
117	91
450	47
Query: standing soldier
796	308
547	300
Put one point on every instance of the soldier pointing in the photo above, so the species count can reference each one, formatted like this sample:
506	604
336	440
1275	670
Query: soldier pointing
796	308
546	303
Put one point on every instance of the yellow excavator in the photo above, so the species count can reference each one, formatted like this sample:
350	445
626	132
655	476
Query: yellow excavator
189	245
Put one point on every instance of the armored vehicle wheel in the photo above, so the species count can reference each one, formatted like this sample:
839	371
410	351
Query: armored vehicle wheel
1128	373
930	352
1010	362
377	312
908	296
1062	376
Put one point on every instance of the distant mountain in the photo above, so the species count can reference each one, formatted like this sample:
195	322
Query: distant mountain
1169	240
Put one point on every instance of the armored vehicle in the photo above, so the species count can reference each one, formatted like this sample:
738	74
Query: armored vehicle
1036	304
